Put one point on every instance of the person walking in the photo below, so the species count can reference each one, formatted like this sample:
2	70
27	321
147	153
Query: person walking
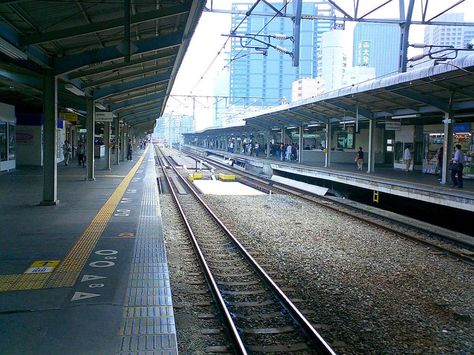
129	149
457	167
67	151
407	158
81	153
359	158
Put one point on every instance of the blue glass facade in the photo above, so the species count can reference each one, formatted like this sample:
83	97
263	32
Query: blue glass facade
377	46
254	75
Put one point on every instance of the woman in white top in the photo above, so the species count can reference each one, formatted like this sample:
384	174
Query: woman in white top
67	151
407	158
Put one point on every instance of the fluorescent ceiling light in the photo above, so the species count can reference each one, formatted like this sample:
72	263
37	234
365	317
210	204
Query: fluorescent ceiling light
74	89
405	116
11	51
100	106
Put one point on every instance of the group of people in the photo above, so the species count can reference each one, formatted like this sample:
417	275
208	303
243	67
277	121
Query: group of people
456	164
81	151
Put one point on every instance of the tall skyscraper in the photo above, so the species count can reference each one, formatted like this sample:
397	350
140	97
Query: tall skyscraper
255	75
376	45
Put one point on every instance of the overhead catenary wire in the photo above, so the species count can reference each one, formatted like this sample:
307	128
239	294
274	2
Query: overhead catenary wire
248	13
223	47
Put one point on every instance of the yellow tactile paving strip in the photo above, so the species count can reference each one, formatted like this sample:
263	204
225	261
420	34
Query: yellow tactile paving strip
66	273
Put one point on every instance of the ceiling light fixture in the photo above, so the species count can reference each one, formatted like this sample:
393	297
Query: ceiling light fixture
11	51
74	89
100	106
405	116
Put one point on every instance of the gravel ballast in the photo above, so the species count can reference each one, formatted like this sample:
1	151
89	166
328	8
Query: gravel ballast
367	290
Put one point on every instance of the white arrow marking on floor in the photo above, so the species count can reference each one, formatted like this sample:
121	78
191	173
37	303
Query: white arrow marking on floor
83	295
91	277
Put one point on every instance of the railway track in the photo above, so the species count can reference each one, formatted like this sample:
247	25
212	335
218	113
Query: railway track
258	315
431	239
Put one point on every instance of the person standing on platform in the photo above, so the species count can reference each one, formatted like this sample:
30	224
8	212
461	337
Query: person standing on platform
359	158
257	149
457	167
129	149
67	151
288	152
407	158
81	153
439	162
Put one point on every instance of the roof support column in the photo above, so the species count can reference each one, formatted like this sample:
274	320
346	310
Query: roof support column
122	143
371	153
117	140
269	136
447	145
90	125
300	145
327	155
107	129
50	172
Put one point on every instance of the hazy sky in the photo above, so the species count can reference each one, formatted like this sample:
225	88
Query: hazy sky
208	40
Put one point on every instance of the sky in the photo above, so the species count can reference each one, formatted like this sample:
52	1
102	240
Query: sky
205	60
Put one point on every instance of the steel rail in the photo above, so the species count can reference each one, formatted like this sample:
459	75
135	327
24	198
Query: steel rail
235	336
317	340
312	198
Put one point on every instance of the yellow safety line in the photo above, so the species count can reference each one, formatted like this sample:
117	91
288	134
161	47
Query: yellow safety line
66	273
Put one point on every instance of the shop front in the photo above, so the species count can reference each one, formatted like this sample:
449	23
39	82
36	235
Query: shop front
7	137
434	140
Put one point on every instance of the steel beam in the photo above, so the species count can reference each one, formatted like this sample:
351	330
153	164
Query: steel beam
103	69
111	79
130	86
104	25
74	62
136	102
422	98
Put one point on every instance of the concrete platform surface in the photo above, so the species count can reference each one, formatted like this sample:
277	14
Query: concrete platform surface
103	245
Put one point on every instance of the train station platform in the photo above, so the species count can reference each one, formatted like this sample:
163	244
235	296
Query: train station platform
90	275
412	185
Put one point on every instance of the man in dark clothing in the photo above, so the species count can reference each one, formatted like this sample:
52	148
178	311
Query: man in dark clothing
359	158
129	150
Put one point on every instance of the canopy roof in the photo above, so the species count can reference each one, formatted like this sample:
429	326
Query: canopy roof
124	54
425	94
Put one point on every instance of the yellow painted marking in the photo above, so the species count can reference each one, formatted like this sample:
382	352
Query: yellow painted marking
66	273
225	177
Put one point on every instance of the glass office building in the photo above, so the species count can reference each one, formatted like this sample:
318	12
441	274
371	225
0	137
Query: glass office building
263	77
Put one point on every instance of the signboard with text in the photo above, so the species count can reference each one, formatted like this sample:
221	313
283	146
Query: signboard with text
363	53
104	116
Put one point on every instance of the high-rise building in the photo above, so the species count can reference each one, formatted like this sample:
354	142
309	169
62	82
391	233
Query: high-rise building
376	45
333	59
442	35
268	74
305	88
169	128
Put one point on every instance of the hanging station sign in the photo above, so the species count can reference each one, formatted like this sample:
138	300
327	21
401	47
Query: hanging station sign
104	116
